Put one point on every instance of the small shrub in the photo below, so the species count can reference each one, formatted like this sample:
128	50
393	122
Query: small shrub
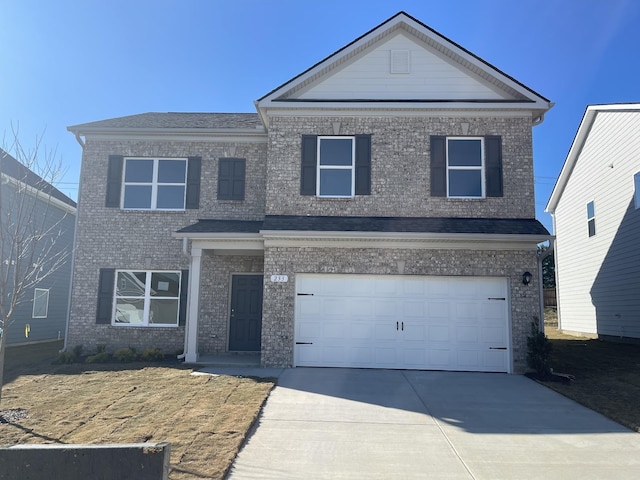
152	355
538	350
64	358
77	351
101	348
100	357
125	355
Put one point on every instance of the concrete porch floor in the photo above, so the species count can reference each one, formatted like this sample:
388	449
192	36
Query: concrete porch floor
230	359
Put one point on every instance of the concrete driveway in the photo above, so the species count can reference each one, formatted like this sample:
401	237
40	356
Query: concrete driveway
385	424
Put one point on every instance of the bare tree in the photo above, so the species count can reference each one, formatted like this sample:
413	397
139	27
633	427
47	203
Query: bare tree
31	227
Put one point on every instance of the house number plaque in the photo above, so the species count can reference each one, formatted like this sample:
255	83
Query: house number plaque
279	278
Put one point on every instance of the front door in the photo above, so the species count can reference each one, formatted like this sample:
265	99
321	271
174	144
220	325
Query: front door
245	325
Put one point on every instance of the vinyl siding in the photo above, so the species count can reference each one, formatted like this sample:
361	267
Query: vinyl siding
53	326
432	76
599	276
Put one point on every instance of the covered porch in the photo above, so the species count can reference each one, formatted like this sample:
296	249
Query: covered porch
224	256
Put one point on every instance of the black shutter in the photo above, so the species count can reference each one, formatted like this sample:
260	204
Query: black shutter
193	182
105	295
438	166
308	165
231	178
114	181
363	164
493	168
182	318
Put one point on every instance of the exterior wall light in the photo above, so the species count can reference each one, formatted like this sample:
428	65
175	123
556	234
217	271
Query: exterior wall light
526	278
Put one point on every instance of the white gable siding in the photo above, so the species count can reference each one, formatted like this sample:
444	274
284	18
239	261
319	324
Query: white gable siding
599	276
432	76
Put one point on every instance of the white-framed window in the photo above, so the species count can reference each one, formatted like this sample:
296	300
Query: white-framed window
465	167
636	183
154	183
147	298
40	303
336	172
591	218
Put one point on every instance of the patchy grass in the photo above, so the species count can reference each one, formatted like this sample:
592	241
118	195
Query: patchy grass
205	418
607	375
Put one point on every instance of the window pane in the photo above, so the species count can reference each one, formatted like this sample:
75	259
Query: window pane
137	196
130	284
171	171
40	303
170	197
636	180
592	227
465	183
465	153
336	151
590	210
163	312
335	183
129	311
138	171
165	284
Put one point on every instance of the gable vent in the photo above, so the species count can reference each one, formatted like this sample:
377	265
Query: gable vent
400	61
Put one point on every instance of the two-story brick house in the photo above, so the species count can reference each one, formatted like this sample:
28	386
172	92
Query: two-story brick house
377	211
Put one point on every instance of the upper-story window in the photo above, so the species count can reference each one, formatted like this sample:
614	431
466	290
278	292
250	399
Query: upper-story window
591	218
154	183
142	183
465	167
336	167
636	182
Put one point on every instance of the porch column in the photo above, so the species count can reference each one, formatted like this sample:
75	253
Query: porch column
191	332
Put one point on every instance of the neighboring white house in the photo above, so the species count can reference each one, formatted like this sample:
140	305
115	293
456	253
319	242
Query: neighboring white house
595	207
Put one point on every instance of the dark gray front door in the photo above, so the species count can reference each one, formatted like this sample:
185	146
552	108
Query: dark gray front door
245	327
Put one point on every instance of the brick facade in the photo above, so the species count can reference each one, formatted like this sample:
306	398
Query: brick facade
400	179
112	238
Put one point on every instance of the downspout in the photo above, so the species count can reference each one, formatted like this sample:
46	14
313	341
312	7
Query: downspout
185	252
73	246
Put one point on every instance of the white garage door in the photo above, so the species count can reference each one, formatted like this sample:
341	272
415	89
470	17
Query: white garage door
431	323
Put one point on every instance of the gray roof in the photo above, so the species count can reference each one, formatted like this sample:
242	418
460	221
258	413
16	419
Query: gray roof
223	226
489	226
498	226
173	120
13	168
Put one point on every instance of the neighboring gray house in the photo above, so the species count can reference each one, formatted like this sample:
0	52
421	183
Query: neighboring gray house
43	311
377	211
596	216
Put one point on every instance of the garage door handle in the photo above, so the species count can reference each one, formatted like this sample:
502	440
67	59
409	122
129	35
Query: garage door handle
496	298
497	348
402	326
396	325
304	294
304	343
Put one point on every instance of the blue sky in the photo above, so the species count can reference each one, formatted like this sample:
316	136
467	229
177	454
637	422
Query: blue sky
69	62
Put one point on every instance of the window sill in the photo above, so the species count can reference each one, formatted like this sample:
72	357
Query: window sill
143	327
128	210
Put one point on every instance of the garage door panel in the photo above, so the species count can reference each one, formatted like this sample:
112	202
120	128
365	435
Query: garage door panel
439	333
361	331
444	323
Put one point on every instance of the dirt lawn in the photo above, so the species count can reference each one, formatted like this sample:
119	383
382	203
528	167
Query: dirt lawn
204	418
607	374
